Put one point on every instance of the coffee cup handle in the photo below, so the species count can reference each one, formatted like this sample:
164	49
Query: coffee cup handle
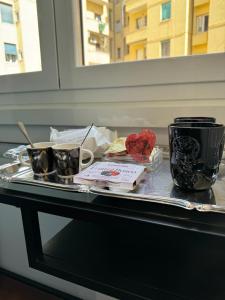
22	161
90	161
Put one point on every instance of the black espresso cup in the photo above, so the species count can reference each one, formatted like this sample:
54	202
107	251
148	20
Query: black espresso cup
69	159
195	119
195	153
41	158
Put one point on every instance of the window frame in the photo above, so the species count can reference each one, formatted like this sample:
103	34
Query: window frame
203	17
155	72
168	44
9	5
47	79
167	19
10	54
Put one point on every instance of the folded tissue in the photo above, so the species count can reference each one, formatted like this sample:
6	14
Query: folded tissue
98	139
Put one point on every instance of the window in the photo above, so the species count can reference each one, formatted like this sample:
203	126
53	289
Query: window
202	23
140	54
166	11
22	35
28	49
10	52
6	13
118	26
141	22
97	17
126	47
148	84
78	75
145	18
118	53
165	48
110	19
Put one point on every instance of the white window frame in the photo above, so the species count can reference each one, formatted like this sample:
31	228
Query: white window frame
165	43
47	78
167	71
201	19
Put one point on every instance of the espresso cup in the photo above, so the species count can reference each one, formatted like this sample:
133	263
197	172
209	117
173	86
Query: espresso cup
68	159
195	119
195	153
41	158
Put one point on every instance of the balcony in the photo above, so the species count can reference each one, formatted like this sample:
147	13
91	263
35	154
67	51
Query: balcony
134	5
136	36
200	2
200	39
93	25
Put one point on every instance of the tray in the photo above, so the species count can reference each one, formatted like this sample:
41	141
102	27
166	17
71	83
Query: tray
156	187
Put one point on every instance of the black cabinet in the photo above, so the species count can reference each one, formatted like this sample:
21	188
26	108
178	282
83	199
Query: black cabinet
126	249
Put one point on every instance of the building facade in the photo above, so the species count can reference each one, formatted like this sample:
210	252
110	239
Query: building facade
150	29
19	37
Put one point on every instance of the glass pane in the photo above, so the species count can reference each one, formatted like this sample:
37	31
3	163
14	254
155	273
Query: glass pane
166	10
19	37
130	30
6	13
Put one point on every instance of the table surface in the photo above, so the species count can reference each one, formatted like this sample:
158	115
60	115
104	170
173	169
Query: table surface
130	246
160	183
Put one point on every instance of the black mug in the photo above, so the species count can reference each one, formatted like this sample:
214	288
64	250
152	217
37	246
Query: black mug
41	158
195	119
195	153
68	159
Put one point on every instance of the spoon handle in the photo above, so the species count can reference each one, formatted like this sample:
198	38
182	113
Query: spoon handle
24	132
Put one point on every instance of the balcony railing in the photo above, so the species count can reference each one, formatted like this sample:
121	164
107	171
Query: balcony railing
97	27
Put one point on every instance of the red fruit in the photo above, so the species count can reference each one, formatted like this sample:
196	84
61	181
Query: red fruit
140	145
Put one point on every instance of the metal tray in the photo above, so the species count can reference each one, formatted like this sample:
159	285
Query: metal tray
157	187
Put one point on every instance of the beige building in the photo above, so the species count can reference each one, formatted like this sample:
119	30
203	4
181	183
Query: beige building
96	31
145	29
19	37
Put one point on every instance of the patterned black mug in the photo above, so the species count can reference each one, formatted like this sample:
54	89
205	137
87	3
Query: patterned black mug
68	159
195	153
41	158
195	119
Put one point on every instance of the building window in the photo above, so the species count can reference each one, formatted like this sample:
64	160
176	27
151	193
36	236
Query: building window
10	52
145	53
141	22
98	17
118	26
166	11
165	48
110	19
202	23
140	53
118	53
6	13
126	47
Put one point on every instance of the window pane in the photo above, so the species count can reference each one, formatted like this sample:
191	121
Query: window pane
165	48
19	37
6	13
166	10
130	30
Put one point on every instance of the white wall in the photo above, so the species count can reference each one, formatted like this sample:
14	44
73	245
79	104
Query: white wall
132	108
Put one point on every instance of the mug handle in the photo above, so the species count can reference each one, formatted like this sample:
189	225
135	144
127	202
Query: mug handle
22	161
90	161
